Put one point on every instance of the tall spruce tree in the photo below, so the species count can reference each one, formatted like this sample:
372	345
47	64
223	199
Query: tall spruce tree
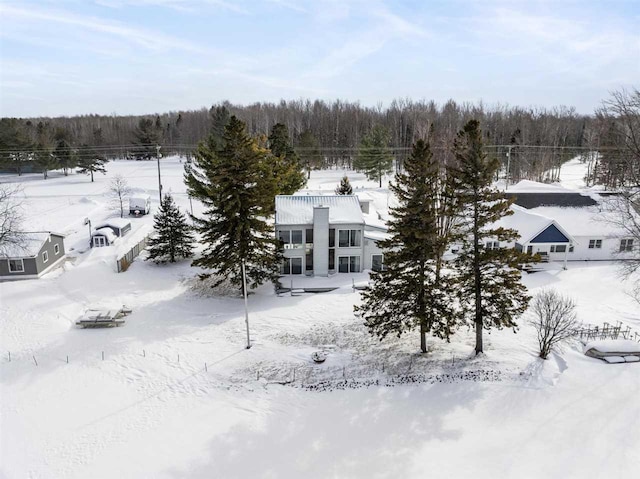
66	155
173	236
147	136
237	188
309	152
44	157
344	188
412	291
287	166
489	281
219	117
374	157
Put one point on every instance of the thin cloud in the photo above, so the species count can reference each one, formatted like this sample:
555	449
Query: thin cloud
150	40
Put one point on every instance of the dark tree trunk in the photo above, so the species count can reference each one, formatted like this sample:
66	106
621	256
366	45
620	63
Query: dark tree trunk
477	283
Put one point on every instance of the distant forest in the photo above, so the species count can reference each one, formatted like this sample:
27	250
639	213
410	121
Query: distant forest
534	141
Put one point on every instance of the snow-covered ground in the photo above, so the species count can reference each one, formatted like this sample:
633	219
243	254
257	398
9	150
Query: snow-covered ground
152	409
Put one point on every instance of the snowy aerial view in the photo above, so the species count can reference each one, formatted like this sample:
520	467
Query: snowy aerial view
319	239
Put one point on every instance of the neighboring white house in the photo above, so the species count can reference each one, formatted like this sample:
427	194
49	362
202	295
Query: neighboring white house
571	224
323	235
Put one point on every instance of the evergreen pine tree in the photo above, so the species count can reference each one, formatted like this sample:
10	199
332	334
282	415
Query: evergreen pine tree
237	188
489	281
309	152
173	236
374	158
146	138
44	156
66	156
93	159
412	291
287	166
219	116
15	143
344	188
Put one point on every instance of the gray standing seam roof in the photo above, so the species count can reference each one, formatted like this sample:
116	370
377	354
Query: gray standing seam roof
535	200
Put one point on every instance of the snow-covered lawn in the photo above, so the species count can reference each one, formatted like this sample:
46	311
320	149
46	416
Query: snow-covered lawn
150	409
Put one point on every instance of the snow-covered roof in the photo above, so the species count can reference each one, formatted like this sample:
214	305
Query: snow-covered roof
141	196
114	222
298	209
528	224
528	186
376	235
587	221
29	246
107	232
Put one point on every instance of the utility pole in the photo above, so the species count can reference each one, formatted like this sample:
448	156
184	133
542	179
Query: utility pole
246	304
159	180
506	178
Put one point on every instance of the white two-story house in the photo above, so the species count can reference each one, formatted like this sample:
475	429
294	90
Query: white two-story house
323	235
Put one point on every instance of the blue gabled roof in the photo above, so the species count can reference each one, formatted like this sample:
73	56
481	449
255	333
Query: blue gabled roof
551	234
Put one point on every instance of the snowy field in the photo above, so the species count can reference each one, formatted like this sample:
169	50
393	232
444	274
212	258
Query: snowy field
152	409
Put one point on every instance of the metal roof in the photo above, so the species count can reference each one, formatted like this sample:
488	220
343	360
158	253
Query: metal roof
298	209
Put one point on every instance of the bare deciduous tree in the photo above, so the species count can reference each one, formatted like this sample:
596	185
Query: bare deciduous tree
119	191
554	318
10	216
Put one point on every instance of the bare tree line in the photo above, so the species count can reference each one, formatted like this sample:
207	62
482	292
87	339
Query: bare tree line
538	140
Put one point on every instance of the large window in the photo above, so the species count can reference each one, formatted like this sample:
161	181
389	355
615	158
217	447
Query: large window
626	245
16	266
558	248
349	238
492	245
332	238
377	262
291	266
595	244
308	236
291	239
332	259
349	264
308	263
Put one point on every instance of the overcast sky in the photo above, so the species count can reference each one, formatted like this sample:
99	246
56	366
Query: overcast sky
143	56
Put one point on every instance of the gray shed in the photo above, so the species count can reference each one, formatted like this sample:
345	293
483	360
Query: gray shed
39	253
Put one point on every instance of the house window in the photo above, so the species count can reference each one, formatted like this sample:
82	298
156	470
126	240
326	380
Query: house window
492	244
332	238
284	236
16	266
296	238
626	245
558	248
570	248
291	266
291	239
332	259
349	264
308	236
377	262
349	238
308	263
45	256
594	243
56	249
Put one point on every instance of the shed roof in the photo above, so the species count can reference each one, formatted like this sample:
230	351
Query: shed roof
298	209
114	222
30	245
560	199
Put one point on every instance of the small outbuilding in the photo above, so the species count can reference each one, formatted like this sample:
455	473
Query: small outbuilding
38	253
119	226
103	237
